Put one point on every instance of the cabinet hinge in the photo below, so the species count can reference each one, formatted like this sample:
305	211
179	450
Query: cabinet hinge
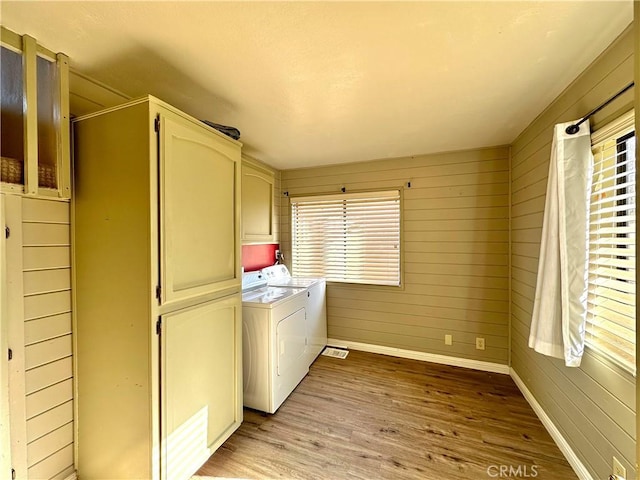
156	124
7	232
159	293
159	326
10	354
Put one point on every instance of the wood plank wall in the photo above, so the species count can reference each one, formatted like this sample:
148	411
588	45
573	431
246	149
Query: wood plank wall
455	248
46	265
87	95
594	405
41	229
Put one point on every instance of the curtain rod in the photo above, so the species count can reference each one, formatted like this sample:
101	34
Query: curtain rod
573	129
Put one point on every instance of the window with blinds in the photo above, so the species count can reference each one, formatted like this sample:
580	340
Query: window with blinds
353	237
611	319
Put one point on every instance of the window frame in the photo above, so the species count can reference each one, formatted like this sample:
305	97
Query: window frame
620	130
399	191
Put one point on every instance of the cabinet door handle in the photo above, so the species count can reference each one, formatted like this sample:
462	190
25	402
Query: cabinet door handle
308	294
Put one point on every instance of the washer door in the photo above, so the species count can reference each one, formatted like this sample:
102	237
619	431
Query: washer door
291	339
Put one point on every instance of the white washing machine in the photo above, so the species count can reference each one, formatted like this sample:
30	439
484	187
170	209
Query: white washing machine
274	342
316	308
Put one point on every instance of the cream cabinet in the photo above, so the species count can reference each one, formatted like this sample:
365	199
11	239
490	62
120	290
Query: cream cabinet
158	325
199	389
257	204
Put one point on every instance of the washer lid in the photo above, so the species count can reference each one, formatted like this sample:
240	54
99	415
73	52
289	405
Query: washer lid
294	282
267	295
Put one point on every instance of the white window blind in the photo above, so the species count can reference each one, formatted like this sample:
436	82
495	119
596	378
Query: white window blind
611	319
353	237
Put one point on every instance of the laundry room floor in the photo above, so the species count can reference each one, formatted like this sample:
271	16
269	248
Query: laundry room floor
378	417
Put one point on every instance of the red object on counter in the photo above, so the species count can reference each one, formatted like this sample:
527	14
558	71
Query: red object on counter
255	257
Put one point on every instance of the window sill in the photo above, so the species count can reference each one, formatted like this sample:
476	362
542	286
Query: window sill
366	286
611	363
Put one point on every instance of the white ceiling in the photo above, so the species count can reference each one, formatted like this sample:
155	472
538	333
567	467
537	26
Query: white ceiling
312	83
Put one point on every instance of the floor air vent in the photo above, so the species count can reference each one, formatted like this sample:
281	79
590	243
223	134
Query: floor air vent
335	352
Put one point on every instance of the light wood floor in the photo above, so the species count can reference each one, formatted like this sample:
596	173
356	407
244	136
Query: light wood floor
378	417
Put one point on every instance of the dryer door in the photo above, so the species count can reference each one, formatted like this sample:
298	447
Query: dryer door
291	334
291	342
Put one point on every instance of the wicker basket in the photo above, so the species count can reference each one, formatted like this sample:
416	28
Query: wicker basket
47	176
11	170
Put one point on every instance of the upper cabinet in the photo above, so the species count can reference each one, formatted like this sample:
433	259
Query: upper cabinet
257	203
198	217
34	105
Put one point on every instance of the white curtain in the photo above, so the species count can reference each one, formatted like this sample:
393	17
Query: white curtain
560	306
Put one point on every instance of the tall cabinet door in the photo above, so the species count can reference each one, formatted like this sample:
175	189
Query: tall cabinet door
199	228
201	383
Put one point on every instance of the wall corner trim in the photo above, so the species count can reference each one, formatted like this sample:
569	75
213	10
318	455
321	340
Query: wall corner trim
563	445
422	356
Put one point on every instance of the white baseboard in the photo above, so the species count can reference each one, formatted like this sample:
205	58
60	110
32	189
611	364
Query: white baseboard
563	445
425	357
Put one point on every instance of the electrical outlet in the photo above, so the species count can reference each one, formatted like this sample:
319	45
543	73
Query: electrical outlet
618	469
448	340
479	343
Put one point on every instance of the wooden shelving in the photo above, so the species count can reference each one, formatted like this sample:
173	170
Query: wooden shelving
34	143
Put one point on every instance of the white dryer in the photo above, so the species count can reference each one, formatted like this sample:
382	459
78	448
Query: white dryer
274	341
316	307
